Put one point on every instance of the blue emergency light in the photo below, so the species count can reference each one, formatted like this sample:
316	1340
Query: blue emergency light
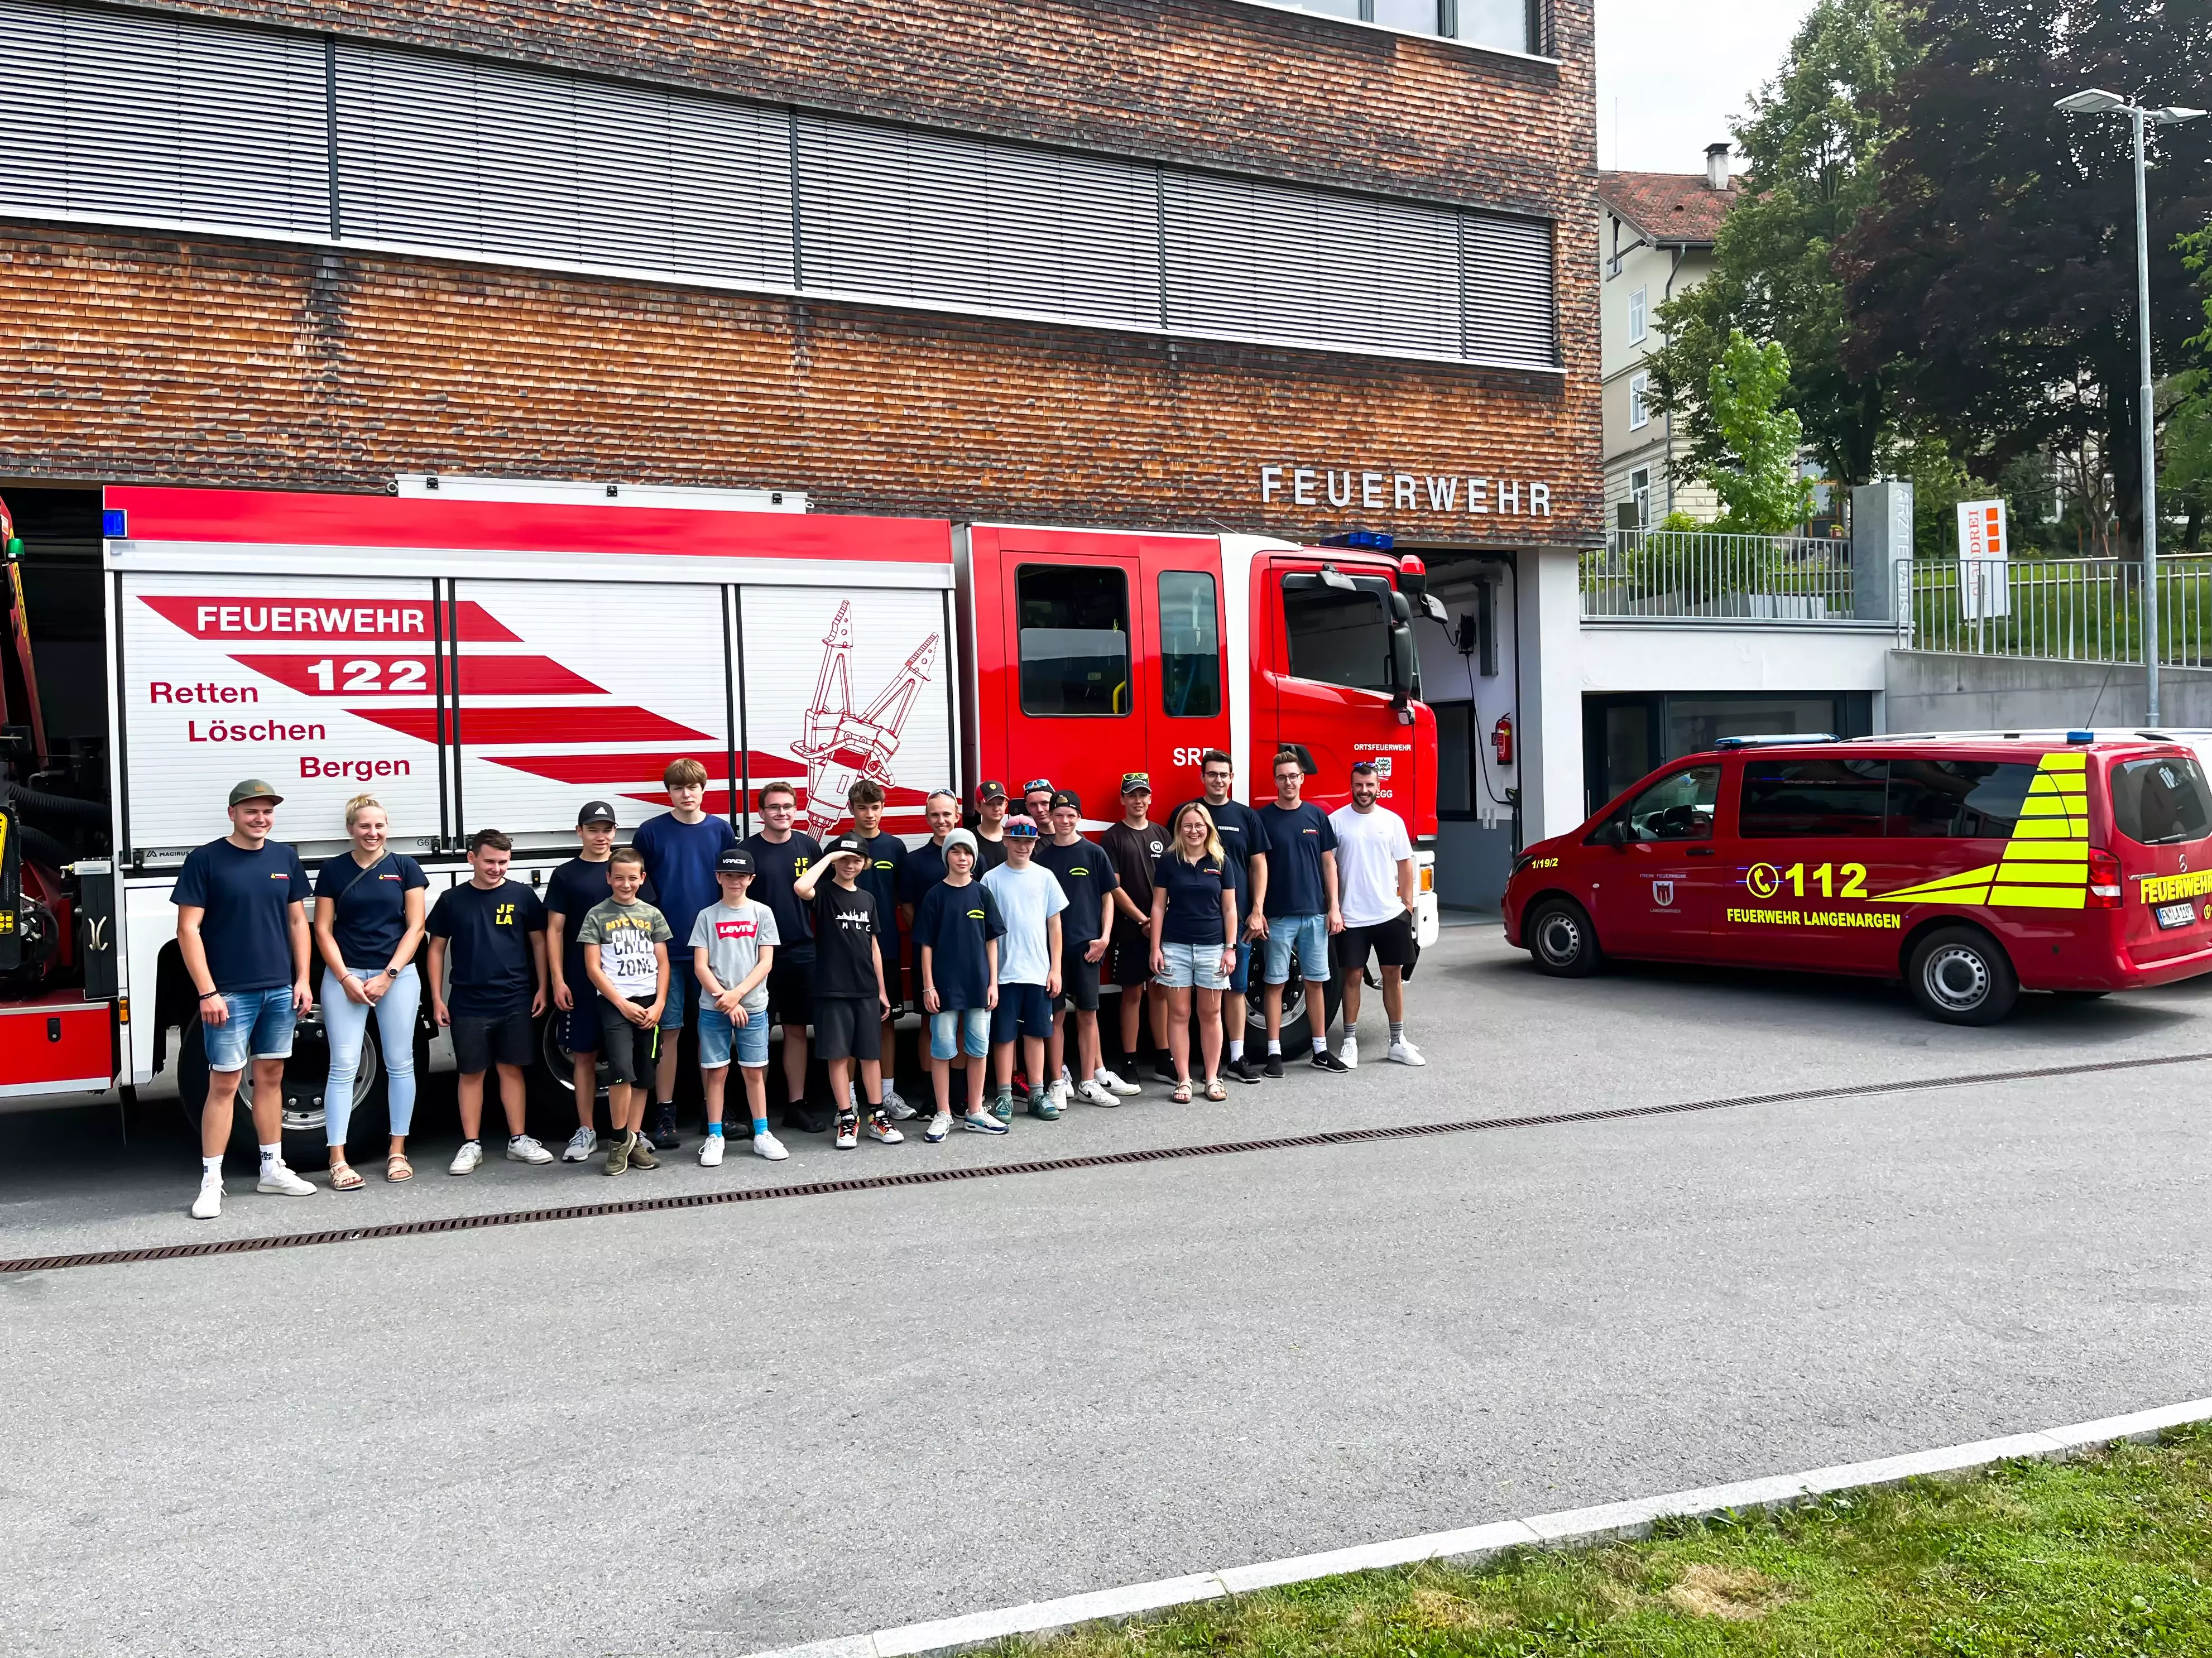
1379	540
114	523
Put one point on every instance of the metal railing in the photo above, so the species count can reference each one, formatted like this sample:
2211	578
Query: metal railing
2062	610
1682	572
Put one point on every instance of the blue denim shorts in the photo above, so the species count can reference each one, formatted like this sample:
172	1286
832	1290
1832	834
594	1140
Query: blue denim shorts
968	1029
681	986
259	1027
1193	965
1305	935
718	1034
1240	978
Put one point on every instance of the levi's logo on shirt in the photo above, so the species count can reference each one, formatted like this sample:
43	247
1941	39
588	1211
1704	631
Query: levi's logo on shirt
735	929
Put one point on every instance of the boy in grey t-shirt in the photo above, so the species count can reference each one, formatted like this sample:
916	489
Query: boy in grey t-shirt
733	949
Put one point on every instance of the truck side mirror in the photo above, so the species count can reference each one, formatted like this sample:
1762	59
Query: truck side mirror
1404	666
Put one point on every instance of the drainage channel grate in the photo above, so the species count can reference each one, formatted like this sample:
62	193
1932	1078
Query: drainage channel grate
1043	1166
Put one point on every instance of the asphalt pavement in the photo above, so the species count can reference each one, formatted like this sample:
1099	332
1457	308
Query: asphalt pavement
726	1429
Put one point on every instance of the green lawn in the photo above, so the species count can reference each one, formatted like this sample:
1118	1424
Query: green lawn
2108	1557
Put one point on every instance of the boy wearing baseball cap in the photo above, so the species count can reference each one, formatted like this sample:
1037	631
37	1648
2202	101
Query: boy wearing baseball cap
990	827
1030	902
572	892
849	1000
1087	876
732	951
956	929
1135	846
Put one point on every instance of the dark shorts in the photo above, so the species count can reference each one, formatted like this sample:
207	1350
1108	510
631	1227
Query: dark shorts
1023	1010
630	1050
1391	943
482	1041
891	984
1078	981
791	989
1129	958
581	1029
848	1028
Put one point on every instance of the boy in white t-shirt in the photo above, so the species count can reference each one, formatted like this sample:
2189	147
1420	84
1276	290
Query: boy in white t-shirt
1030	901
733	949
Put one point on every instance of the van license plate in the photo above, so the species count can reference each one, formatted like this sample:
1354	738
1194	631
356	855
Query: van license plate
2174	915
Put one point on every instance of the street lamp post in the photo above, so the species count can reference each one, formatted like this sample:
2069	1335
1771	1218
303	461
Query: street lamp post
2096	101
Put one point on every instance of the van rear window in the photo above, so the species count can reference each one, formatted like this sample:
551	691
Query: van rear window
1957	799
2161	801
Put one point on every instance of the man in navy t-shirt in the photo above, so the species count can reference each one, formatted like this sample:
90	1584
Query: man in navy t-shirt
680	846
1302	912
242	930
1245	840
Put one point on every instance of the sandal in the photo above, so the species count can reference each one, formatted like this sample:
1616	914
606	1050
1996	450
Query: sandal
1216	1089
397	1167
1182	1095
345	1177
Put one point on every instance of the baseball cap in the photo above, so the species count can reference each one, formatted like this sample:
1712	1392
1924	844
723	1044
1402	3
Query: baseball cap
1021	829
845	843
735	861
961	838
1136	782
595	812
989	792
254	789
1037	783
1066	798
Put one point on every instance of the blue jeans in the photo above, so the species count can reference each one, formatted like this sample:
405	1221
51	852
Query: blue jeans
719	1034
346	1023
1305	935
259	1027
680	984
966	1029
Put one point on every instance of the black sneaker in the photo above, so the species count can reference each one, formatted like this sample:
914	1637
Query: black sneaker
1325	1060
1241	1070
1164	1071
1274	1066
661	1131
808	1119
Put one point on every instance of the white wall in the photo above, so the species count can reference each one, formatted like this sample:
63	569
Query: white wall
1761	656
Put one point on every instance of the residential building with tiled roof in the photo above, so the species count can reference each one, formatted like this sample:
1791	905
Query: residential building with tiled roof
1656	235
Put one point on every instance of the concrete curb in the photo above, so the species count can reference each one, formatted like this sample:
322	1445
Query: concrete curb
1571	1528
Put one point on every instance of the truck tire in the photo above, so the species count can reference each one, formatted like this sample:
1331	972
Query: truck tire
1297	1032
1961	976
1561	940
306	1143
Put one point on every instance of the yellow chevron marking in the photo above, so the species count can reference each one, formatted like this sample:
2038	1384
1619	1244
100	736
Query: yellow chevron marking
2046	861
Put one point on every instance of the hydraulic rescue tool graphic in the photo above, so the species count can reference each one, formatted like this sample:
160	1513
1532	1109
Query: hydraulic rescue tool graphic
840	747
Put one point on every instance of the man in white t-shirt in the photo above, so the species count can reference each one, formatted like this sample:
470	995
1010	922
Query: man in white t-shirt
1376	882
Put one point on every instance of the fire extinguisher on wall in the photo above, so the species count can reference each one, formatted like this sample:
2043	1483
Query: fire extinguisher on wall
1501	739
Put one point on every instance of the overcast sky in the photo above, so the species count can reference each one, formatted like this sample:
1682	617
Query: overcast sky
1679	72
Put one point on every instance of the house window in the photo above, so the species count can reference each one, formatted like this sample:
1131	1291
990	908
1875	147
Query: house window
1639	307
1639	492
1639	401
1509	25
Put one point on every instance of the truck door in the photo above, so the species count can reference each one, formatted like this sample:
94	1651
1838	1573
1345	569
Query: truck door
1336	660
1076	706
1189	712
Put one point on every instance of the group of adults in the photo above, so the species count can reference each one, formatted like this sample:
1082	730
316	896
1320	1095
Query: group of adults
1001	935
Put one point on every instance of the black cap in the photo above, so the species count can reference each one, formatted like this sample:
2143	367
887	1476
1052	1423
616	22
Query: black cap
736	861
596	811
1066	798
988	791
845	843
1136	782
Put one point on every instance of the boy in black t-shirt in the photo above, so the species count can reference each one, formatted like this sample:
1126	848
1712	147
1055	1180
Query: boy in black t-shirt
781	853
574	891
956	928
882	876
849	1001
494	931
1086	876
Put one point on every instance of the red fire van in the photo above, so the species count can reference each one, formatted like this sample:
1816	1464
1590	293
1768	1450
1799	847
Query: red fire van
1972	867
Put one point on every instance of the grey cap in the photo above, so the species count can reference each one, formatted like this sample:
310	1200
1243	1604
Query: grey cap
960	837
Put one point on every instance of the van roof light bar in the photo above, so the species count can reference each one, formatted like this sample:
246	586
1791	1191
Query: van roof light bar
1778	739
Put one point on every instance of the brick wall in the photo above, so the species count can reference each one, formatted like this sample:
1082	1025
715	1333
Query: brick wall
148	359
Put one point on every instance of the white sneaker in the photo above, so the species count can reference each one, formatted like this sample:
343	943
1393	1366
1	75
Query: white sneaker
280	1182
879	1128
896	1107
1350	1053
1061	1092
1106	1078
582	1145
1092	1093
208	1203
766	1145
1404	1052
710	1152
466	1159
527	1148
940	1126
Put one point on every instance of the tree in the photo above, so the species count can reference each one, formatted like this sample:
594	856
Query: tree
1993	279
1810	136
1758	480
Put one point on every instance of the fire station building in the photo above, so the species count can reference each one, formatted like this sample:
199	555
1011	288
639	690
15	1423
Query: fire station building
1292	269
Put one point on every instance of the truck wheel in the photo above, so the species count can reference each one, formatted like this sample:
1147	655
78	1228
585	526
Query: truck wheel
551	1083
1298	1021
306	1144
1561	940
1961	976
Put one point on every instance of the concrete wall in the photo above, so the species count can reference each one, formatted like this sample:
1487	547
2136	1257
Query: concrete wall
1930	691
1636	656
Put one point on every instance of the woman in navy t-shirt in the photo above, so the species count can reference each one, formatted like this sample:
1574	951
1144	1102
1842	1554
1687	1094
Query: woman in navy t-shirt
1194	941
368	925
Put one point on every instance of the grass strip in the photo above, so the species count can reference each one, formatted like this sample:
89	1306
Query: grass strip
2108	1556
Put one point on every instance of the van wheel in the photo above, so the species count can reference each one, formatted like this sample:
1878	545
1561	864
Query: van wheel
1961	976
1561	940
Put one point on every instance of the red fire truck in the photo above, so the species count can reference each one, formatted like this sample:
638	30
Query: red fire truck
491	655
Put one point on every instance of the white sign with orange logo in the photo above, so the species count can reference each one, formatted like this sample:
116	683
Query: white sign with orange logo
1984	546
